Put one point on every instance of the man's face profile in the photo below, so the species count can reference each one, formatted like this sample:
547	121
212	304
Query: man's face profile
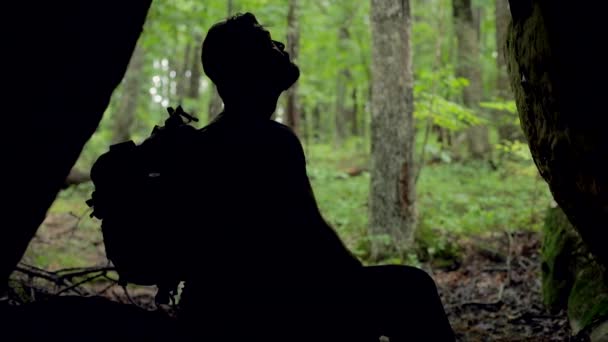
241	58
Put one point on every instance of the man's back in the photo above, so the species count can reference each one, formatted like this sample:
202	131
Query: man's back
266	250
256	206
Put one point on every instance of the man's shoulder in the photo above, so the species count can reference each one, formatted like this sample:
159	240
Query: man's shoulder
281	130
262	132
282	136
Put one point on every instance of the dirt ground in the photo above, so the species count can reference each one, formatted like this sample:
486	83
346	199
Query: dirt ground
493	294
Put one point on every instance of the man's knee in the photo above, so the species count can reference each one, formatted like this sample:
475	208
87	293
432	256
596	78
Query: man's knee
408	277
421	278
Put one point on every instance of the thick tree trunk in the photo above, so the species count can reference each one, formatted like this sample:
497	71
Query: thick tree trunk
469	67
392	193
293	45
554	71
131	88
79	56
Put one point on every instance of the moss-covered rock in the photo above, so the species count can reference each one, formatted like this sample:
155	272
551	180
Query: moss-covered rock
572	279
588	300
560	243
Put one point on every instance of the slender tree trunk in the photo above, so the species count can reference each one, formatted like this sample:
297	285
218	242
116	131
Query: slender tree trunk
354	113
469	67
508	129
293	45
230	7
503	17
195	71
127	110
316	123
182	75
342	116
392	193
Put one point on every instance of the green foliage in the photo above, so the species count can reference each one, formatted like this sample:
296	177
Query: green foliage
508	106
507	109
474	198
515	149
432	94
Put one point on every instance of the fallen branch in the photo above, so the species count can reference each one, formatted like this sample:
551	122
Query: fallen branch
75	285
60	276
65	277
36	272
70	273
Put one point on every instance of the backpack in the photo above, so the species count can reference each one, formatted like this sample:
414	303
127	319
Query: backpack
137	194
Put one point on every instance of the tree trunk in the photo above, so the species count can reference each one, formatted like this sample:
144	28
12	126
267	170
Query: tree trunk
468	66
344	77
554	70
182	75
127	110
230	7
507	128
293	45
392	193
354	113
195	71
86	48
317	133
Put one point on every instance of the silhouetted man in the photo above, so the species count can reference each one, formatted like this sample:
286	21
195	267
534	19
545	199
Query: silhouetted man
266	266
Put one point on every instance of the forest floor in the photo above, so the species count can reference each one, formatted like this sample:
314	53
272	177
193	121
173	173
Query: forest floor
493	294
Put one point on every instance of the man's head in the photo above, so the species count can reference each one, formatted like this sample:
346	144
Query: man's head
245	64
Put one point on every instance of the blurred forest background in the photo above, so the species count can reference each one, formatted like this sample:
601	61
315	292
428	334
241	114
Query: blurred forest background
472	171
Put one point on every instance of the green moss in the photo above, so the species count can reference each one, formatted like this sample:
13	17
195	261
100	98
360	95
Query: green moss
559	239
588	299
570	277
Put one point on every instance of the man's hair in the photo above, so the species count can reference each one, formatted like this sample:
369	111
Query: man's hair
234	49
